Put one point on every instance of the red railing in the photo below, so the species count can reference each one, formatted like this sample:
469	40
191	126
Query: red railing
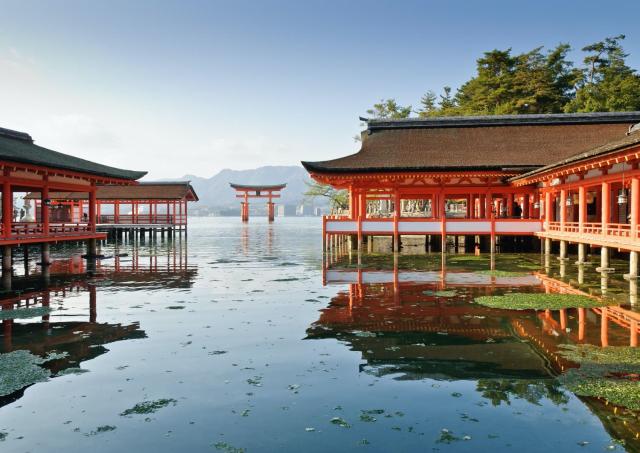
143	219
610	231
30	230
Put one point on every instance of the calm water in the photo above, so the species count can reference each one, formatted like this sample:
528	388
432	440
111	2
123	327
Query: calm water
231	341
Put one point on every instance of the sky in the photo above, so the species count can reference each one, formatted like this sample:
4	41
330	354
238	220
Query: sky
195	86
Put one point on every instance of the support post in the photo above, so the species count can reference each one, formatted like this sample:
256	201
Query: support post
7	264
45	258
633	264
604	261
563	250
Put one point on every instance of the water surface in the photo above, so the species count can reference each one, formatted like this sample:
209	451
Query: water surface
237	338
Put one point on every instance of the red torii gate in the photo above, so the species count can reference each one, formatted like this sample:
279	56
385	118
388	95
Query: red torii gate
257	191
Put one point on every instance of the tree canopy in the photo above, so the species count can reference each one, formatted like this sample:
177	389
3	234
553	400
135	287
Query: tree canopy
537	81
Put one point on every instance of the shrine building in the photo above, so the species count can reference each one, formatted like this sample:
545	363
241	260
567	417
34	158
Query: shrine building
571	178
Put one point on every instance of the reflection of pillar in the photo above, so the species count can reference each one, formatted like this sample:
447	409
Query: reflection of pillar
7	328
604	282
604	327
580	274
633	291
92	303
563	269
582	320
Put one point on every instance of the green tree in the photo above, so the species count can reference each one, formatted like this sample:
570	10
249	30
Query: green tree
338	199
389	109
606	82
531	82
429	105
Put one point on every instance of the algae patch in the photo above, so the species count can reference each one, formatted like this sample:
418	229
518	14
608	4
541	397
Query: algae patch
538	301
149	407
611	373
19	369
25	313
496	273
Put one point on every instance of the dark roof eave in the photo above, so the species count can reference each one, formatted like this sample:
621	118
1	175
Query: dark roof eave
317	167
600	151
118	173
505	120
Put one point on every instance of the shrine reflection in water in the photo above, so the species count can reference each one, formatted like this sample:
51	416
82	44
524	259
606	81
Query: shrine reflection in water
411	324
54	313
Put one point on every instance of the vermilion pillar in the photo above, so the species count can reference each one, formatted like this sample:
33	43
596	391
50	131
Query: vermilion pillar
563	208
582	207
7	207
606	205
634	199
44	208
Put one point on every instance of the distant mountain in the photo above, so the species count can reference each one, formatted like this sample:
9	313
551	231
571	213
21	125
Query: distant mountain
215	192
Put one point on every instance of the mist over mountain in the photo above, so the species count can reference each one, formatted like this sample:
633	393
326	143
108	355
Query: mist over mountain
214	192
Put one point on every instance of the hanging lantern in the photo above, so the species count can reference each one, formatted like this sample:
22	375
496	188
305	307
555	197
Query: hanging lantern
536	205
569	201
622	198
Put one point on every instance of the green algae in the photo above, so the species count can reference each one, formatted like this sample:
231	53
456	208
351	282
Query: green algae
19	369
538	301
611	373
339	421
25	313
100	430
500	273
223	446
149	407
441	293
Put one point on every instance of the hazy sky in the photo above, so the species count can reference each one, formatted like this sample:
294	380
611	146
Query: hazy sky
192	87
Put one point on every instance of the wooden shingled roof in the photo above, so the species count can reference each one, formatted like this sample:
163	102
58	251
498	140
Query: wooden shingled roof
179	190
19	147
522	142
628	141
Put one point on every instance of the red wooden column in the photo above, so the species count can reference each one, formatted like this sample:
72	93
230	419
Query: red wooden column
396	219
44	206
245	207
510	205
525	206
360	214
606	206
563	208
634	199
582	208
92	209
483	203
7	206
116	212
547	207
270	210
